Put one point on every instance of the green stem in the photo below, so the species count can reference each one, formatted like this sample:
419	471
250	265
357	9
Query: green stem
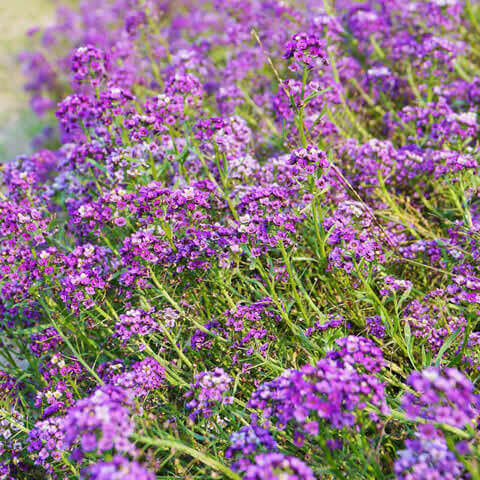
293	283
175	445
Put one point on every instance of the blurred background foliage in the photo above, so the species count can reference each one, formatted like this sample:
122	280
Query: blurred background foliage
17	124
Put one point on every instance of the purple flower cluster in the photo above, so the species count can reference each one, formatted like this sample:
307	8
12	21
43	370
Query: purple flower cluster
101	422
277	466
448	125
248	327
11	443
443	396
428	459
250	439
135	322
353	237
209	391
119	468
45	341
333	322
46	442
8	384
308	160
359	352
330	392
143	377
89	62
244	207
306	49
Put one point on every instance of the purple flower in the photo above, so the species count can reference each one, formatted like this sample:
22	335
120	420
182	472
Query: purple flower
144	376
277	466
209	391
444	396
359	352
119	468
101	422
46	441
329	392
306	49
250	439
89	62
45	341
136	322
428	460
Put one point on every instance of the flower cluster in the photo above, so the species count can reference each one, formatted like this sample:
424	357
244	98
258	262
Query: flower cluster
100	422
250	439
307	49
428	459
89	62
119	468
135	322
209	391
308	160
326	392
45	341
46	442
444	396
11	443
244	208
359	352
276	466
143	377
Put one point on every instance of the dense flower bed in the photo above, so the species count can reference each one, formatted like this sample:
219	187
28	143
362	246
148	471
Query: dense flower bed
249	247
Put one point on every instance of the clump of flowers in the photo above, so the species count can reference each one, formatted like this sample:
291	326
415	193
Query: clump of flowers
143	377
101	422
334	322
428	459
89	62
209	391
443	396
326	393
307	49
12	444
248	328
226	226
45	341
277	466
119	468
308	160
359	352
250	439
46	442
8	384
136	322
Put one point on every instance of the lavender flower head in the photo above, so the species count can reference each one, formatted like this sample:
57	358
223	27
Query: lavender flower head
328	392
308	160
443	396
89	62
277	466
307	49
45	341
46	442
428	460
208	391
101	422
250	439
119	468
135	322
360	352
144	376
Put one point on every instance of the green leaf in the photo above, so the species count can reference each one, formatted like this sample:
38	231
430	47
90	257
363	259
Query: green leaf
446	345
